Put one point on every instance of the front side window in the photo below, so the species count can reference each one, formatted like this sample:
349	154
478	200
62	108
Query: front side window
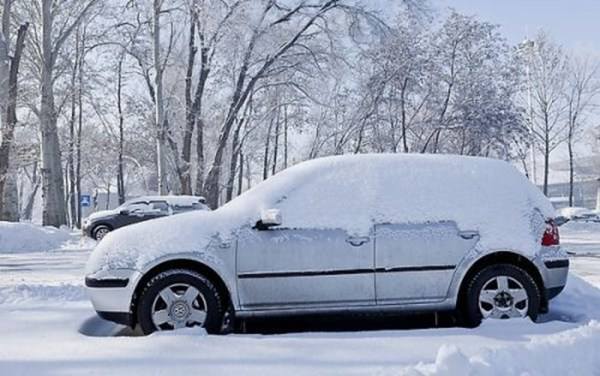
339	198
138	207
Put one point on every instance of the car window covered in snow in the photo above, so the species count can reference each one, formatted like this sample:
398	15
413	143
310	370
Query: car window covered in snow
353	192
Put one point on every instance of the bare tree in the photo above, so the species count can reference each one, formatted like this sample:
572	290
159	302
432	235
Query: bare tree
210	24
581	89
271	17
548	77
50	47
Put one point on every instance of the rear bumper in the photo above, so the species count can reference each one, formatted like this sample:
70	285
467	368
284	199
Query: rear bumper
553	292
553	264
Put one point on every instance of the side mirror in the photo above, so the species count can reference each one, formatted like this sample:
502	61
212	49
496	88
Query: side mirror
124	212
269	218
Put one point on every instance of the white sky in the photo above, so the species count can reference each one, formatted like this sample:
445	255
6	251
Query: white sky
573	23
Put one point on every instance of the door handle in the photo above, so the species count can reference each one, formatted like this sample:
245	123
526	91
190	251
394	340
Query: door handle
358	241
468	235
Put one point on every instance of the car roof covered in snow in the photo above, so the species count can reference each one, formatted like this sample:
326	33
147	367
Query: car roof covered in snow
183	200
353	192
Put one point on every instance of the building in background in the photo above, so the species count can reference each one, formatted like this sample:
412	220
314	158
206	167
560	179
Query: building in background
585	194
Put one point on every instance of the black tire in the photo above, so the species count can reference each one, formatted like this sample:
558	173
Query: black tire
214	305
470	312
97	230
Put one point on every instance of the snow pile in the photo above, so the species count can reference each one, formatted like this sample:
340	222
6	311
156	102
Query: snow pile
572	352
579	302
27	237
23	293
351	193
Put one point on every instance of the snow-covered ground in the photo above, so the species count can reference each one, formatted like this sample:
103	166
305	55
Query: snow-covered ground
47	326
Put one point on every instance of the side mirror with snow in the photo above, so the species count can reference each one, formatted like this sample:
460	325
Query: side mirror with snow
124	212
269	218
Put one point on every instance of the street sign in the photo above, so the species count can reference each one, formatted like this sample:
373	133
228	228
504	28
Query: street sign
85	200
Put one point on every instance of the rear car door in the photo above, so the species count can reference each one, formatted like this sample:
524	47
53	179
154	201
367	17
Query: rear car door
416	262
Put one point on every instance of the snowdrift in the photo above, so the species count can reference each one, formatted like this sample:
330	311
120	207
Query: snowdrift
569	352
27	237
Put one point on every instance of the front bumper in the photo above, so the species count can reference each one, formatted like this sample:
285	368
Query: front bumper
123	318
86	229
111	293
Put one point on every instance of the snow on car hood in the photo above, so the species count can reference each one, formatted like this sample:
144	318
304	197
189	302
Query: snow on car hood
100	214
134	246
352	192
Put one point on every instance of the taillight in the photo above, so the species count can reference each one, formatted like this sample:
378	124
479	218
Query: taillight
550	234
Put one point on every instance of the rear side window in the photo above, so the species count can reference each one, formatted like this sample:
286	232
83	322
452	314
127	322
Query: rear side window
185	208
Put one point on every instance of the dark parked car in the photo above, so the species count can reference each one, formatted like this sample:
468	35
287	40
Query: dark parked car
140	209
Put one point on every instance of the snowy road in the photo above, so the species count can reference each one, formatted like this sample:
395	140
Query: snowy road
48	327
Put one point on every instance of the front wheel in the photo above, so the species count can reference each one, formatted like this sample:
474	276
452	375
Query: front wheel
100	232
501	291
177	299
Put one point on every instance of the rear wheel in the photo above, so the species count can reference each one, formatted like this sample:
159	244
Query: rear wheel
177	299
501	291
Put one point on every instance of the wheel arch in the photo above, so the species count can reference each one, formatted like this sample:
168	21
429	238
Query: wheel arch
180	263
501	257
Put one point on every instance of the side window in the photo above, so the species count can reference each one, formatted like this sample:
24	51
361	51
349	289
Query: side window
138	207
159	207
336	199
182	208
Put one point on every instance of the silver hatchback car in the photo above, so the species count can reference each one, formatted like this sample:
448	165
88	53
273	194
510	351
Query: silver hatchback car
361	233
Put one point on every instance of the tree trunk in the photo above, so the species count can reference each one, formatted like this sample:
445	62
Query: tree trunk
10	209
199	191
403	117
241	173
546	164
276	143
190	116
71	152
6	134
285	137
266	153
52	177
235	149
28	207
120	164
161	149
79	128
571	170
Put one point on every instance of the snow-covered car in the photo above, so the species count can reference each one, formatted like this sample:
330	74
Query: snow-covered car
140	209
360	233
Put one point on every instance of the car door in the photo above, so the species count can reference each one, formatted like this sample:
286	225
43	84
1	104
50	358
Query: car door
133	213
416	262
286	267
